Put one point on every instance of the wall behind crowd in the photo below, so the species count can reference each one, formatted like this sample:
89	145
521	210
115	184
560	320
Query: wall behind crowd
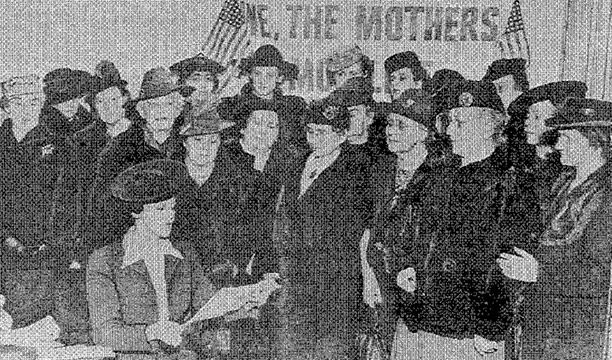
40	35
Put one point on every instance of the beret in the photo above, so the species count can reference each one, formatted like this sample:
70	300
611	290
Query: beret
469	93
327	112
185	68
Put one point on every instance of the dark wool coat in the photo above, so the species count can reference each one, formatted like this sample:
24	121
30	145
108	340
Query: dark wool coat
404	225
122	301
30	170
324	270
462	291
258	213
567	310
209	216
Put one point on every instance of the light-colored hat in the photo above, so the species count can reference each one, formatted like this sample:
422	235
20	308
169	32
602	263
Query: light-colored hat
344	57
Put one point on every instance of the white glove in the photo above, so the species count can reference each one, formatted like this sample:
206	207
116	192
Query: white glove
371	289
406	279
522	267
166	331
484	346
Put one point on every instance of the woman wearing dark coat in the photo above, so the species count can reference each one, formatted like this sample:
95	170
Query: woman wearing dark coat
152	135
327	217
456	300
571	319
408	193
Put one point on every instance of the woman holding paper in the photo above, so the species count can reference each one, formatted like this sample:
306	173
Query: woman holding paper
142	288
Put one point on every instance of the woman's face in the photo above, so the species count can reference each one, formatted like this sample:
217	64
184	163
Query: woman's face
261	131
264	79
161	112
472	131
109	104
158	218
361	119
69	108
203	149
323	139
574	148
535	125
25	108
341	76
402	80
404	133
202	81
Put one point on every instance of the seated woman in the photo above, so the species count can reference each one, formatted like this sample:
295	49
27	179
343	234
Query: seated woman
572	315
141	288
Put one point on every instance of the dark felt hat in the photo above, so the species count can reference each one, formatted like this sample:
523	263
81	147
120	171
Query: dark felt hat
328	112
469	93
401	60
417	108
66	84
356	91
504	67
268	55
159	82
185	68
107	76
203	118
555	92
442	79
150	182
580	112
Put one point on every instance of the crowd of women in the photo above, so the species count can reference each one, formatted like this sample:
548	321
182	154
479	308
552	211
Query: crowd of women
465	219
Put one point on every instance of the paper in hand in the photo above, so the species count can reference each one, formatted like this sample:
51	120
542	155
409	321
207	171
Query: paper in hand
231	299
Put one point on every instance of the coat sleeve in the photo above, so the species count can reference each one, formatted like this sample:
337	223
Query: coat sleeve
107	325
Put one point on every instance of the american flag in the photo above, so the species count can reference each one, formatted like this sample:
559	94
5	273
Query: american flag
513	41
228	39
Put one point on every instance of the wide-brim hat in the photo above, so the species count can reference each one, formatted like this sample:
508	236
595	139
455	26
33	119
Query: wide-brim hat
198	63
355	91
555	92
581	113
406	59
327	112
150	182
159	82
66	84
203	118
442	79
469	93
268	56
504	67
106	77
416	108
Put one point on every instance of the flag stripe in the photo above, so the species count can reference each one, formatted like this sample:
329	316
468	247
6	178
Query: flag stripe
226	40
230	72
211	34
225	28
229	55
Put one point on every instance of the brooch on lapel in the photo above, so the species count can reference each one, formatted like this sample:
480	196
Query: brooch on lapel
47	150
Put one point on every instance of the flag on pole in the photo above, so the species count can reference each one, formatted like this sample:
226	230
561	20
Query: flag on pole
228	40
228	33
513	41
